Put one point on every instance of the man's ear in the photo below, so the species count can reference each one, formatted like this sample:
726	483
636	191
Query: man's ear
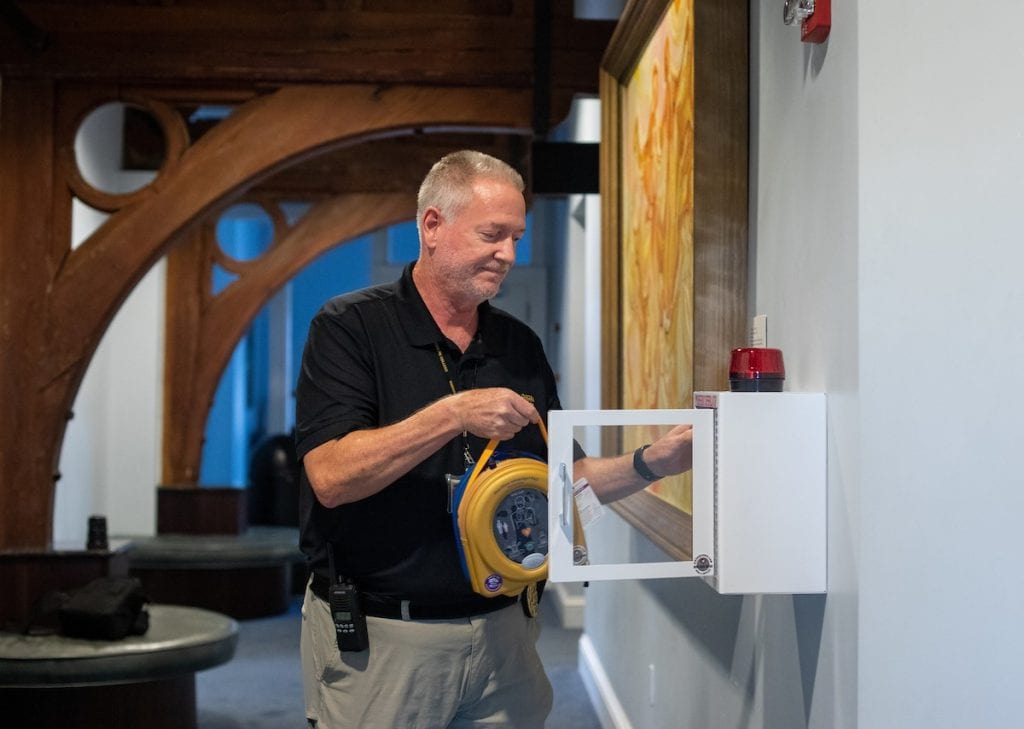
428	227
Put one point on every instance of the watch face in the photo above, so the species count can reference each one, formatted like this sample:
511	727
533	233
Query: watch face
521	526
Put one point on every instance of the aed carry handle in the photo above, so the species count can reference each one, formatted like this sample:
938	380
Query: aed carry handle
579	537
346	612
492	444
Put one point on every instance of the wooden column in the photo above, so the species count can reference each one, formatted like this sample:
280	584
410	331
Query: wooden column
34	401
187	296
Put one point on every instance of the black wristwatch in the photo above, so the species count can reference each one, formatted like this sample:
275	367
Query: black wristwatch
640	467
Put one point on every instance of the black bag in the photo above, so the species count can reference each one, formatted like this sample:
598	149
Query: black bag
107	608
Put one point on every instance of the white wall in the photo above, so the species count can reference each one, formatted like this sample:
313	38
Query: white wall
576	354
575	345
675	653
110	463
940	190
110	460
887	179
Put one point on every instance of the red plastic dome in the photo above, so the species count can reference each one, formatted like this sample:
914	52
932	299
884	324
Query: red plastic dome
756	368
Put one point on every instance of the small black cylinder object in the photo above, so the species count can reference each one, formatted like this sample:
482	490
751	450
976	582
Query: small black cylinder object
97	533
773	384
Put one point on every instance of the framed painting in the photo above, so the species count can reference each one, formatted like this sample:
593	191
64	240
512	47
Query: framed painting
674	157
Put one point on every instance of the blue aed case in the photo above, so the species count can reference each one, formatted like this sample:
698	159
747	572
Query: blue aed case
500	518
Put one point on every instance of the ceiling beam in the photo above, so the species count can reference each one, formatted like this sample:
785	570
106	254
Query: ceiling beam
256	43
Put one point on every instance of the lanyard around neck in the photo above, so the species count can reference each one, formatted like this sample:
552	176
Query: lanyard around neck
444	366
466	455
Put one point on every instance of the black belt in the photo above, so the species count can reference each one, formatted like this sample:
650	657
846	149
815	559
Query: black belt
407	610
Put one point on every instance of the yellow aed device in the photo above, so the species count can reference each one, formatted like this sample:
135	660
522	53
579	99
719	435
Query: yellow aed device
500	516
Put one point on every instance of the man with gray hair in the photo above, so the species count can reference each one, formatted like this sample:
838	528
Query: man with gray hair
400	385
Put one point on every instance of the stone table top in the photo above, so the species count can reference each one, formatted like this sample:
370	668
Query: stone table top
180	640
258	545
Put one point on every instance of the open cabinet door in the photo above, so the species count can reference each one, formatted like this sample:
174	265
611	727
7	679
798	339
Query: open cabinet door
573	557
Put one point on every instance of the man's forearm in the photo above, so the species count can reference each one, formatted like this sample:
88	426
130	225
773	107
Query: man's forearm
611	478
616	477
366	461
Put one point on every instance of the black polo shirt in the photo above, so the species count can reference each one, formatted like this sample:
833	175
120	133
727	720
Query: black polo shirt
371	360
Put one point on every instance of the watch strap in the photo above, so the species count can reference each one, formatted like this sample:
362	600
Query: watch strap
640	467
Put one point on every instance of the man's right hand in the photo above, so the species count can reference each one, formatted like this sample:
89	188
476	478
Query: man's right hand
492	412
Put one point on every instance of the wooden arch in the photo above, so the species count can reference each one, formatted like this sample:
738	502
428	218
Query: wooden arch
58	314
359	189
198	357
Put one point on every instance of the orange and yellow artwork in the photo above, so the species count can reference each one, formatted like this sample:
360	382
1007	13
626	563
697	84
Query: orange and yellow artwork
657	230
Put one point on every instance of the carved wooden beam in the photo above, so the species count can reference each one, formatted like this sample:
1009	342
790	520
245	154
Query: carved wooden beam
32	37
60	310
441	42
397	164
205	339
262	136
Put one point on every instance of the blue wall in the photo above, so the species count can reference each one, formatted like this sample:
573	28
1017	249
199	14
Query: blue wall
236	424
244	232
345	268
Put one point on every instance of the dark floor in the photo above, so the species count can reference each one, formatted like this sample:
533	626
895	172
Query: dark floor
261	687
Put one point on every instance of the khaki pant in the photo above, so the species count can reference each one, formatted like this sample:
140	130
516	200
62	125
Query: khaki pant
481	671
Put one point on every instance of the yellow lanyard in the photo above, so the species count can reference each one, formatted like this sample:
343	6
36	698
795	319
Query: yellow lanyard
466	455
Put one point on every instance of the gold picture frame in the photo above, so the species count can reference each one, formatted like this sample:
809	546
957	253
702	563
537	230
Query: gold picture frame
693	224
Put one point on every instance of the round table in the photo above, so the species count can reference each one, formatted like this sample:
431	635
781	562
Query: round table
138	681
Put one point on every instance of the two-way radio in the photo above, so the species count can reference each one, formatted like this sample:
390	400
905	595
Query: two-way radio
346	611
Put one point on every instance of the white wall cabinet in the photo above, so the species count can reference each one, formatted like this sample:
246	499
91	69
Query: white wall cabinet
758	485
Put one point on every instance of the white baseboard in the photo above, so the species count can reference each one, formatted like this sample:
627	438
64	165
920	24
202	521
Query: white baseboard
569	607
602	694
